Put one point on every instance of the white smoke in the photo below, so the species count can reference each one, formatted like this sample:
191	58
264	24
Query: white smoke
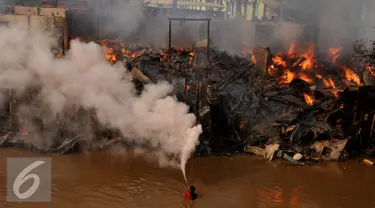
83	76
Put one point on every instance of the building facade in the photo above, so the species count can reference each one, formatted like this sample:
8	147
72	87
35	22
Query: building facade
247	9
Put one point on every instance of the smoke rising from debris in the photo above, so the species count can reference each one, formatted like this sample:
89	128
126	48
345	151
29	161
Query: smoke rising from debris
330	19
50	93
127	21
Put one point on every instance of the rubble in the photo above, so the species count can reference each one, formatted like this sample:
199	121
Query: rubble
292	105
282	101
368	162
329	149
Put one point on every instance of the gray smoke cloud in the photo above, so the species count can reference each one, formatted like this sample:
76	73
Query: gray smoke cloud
83	79
334	23
128	22
338	23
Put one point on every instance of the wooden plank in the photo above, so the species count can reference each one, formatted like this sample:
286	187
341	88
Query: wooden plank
261	58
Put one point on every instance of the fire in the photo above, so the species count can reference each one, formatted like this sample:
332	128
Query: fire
371	70
328	83
272	70
109	54
336	94
308	99
286	66
278	60
305	78
287	77
292	50
334	53
351	76
309	56
304	66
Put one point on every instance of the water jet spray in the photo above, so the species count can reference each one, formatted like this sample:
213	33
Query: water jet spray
190	143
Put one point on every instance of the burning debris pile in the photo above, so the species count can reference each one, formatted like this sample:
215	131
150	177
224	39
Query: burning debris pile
141	55
297	105
321	107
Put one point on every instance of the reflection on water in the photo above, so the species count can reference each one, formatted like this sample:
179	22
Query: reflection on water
275	197
98	180
270	196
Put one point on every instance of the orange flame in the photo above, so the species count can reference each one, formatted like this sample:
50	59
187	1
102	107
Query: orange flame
287	77
278	60
109	53
308	99
253	59
371	70
334	53
292	50
328	83
309	56
272	70
336	94
351	76
305	78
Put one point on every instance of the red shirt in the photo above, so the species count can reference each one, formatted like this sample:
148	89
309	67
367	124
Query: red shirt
187	195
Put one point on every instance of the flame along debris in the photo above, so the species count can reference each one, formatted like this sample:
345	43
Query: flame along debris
287	67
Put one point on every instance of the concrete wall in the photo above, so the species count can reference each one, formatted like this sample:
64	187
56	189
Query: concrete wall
48	19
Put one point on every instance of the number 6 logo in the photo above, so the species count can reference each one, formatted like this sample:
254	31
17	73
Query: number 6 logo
23	177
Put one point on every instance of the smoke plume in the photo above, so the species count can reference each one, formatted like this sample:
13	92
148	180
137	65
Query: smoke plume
83	79
326	23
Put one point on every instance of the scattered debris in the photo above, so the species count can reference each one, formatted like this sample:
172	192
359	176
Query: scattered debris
270	151
297	156
291	160
255	150
368	162
329	149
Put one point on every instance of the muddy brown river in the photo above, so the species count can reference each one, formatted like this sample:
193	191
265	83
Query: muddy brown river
100	180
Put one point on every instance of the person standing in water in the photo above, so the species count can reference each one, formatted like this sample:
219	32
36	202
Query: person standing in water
190	194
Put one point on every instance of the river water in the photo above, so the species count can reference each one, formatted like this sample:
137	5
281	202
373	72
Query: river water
101	180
